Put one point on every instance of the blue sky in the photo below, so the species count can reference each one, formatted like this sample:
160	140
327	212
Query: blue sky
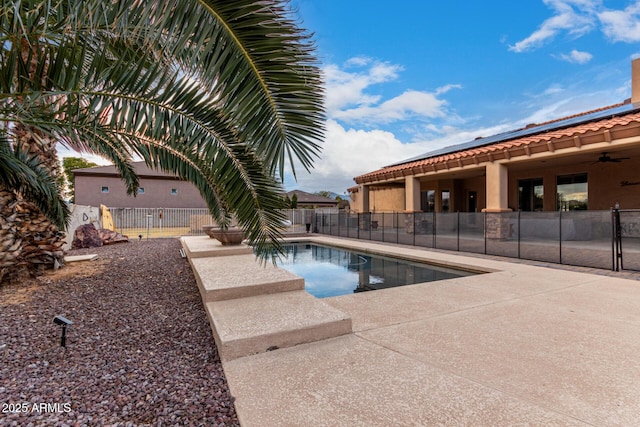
411	76
406	79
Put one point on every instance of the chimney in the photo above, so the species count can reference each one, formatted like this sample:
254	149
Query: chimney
635	80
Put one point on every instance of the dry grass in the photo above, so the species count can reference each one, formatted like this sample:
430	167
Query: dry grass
152	233
21	292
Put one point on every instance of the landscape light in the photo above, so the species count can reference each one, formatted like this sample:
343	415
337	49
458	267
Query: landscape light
64	322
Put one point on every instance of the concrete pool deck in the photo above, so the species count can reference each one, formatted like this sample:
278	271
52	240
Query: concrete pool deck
522	345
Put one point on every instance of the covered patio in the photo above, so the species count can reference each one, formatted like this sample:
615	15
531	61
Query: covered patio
587	161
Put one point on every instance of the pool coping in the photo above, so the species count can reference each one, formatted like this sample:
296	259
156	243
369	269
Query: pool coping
413	254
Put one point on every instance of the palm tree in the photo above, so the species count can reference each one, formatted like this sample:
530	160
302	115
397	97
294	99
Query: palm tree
224	93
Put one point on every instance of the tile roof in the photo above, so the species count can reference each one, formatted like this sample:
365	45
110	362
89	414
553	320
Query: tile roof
543	136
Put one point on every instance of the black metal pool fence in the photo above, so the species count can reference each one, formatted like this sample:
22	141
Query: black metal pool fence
580	238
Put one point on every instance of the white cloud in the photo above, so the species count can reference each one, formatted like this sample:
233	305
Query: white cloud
350	98
548	112
348	153
574	16
405	106
358	61
446	88
569	101
579	17
576	57
553	89
347	88
622	25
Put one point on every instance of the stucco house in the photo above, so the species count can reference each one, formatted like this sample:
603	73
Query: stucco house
102	185
587	161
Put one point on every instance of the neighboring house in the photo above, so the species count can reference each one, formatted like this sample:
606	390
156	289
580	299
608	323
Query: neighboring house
311	201
587	161
102	185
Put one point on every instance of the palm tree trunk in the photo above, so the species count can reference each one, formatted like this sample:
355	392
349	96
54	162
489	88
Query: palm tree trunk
29	242
10	242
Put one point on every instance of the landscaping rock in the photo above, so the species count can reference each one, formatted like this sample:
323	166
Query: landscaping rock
109	237
140	351
86	236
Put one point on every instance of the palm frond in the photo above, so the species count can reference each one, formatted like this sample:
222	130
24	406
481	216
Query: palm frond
253	58
224	93
255	204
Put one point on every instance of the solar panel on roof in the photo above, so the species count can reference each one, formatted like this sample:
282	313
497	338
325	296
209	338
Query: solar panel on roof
515	134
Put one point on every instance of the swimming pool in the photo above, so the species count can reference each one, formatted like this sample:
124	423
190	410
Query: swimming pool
330	272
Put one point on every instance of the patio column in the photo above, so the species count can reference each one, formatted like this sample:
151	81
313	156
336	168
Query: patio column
365	199
497	183
411	194
635	80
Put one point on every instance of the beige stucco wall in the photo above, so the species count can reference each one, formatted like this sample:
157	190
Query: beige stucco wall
604	183
157	193
393	199
605	188
476	184
386	199
355	201
459	192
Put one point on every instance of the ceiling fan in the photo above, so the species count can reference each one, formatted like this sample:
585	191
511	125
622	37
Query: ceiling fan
608	159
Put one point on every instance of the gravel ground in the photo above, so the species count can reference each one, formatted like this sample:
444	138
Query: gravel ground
139	352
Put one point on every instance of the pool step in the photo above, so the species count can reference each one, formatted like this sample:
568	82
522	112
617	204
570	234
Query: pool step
246	326
239	276
252	307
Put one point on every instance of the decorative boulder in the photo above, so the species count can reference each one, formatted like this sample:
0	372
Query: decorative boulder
86	236
109	237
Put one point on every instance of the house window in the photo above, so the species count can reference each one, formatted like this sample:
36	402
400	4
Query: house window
446	198
572	192
428	201
141	190
174	191
104	189
530	194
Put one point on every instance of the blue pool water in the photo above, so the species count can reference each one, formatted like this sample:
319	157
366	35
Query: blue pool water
330	272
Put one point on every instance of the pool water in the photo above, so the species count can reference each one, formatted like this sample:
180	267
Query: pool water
330	272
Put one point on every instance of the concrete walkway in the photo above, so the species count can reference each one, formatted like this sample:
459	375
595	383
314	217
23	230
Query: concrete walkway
522	345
